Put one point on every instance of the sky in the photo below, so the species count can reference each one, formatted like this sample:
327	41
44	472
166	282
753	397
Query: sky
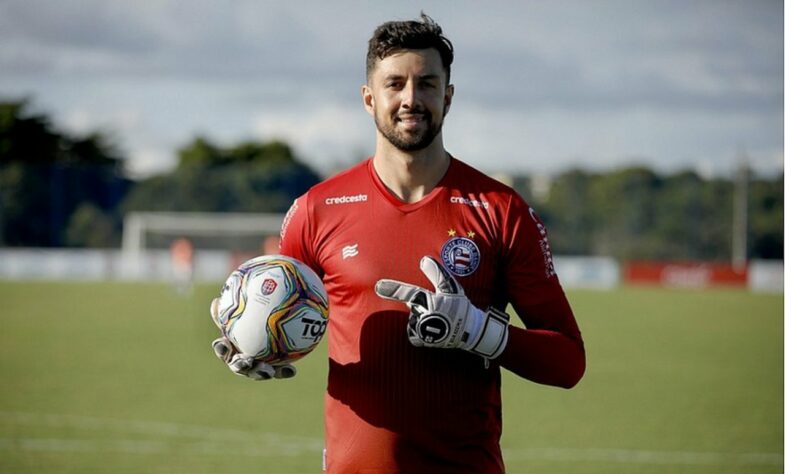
541	86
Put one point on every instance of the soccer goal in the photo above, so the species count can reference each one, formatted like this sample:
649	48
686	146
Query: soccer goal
234	232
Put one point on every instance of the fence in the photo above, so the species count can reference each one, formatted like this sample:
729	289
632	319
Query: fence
215	265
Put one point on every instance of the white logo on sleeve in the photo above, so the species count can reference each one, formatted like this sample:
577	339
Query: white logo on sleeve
288	218
545	246
350	251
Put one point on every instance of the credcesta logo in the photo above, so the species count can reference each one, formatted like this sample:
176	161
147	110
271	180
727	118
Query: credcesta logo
346	199
469	202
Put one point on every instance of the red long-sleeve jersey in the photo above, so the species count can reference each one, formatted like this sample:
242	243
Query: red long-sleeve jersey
393	407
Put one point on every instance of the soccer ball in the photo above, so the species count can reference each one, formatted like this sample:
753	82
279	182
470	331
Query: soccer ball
273	308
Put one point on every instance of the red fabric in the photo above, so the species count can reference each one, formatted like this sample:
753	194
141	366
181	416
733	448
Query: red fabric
392	407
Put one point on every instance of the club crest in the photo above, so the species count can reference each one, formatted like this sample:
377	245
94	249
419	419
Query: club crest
461	256
268	286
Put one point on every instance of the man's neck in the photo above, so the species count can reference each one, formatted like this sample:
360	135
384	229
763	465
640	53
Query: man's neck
411	175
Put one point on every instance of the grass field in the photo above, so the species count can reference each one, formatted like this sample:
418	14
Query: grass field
120	378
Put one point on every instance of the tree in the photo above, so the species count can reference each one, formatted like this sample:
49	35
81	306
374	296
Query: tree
247	177
45	175
634	213
90	226
569	210
624	209
766	218
693	218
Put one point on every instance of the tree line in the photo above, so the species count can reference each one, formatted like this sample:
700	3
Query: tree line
635	213
58	189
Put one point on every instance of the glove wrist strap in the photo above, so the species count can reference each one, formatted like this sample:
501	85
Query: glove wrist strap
492	338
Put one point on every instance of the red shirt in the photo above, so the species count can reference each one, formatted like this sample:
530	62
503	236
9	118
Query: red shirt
392	407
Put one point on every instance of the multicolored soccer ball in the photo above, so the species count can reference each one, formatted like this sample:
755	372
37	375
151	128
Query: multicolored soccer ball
273	308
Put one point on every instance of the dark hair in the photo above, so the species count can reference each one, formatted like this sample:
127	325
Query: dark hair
394	36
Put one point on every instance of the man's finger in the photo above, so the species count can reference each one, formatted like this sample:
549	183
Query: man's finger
261	371
223	349
441	279
241	364
285	371
396	290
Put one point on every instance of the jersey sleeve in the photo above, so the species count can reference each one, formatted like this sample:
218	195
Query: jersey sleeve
530	277
550	349
297	234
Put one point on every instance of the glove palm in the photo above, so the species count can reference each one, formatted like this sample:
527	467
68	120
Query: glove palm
243	364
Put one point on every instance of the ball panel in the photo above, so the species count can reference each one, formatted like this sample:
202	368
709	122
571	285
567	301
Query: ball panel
274	308
231	301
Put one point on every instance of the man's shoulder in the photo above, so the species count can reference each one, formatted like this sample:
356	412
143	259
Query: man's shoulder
345	187
465	179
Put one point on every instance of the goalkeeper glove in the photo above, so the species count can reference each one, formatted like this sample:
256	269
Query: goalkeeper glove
242	364
446	318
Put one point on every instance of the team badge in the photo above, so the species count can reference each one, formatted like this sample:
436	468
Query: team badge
268	286
461	256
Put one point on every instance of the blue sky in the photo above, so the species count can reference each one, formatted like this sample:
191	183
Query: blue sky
541	86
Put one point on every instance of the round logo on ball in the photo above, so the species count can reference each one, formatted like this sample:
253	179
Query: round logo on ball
268	286
461	256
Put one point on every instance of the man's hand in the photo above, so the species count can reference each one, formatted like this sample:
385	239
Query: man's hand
446	318
242	364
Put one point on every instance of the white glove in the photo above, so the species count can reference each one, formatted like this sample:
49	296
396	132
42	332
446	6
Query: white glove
446	318
242	364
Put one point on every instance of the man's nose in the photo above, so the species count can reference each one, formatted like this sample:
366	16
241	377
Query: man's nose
409	96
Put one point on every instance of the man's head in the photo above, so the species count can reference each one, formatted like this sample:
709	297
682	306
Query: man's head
395	36
408	91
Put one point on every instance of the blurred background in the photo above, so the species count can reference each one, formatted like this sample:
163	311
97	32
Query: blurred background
153	146
638	130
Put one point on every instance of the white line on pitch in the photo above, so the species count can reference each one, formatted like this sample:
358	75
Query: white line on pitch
635	456
251	443
135	446
277	442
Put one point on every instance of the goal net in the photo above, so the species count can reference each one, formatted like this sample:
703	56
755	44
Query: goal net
241	233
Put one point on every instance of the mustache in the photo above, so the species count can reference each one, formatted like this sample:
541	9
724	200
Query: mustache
424	113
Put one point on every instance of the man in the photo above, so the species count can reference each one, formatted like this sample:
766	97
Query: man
420	255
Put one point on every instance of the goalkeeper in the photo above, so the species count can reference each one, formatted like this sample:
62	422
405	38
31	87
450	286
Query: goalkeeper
421	255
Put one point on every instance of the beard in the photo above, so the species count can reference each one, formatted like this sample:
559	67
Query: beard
410	141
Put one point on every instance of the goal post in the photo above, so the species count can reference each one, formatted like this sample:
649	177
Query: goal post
225	231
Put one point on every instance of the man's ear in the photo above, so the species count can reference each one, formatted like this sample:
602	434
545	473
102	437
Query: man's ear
448	93
368	101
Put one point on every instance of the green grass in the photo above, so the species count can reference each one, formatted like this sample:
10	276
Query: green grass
120	378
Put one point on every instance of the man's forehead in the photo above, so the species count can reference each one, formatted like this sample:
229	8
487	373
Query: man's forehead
422	62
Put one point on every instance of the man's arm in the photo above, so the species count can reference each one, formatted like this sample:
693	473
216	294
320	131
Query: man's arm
550	350
296	235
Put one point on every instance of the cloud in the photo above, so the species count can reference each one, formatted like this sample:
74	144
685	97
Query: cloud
328	136
545	141
147	162
671	83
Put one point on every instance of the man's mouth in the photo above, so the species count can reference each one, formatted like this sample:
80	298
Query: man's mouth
411	119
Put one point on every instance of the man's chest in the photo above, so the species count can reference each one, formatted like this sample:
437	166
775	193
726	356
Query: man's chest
358	250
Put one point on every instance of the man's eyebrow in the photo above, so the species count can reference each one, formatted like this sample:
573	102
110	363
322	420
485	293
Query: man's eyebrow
424	77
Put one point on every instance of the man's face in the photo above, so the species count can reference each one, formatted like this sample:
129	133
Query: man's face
408	97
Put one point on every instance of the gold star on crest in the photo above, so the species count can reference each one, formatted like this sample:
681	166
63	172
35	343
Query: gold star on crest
471	234
451	232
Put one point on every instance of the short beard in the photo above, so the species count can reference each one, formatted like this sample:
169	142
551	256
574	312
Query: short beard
406	142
